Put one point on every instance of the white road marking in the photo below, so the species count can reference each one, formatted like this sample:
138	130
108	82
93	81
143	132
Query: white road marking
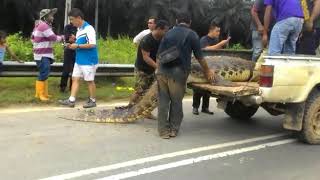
160	157
191	161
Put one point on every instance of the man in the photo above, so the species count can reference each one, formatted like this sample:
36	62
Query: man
257	28
310	37
146	61
172	77
289	21
69	56
208	42
42	39
151	27
86	59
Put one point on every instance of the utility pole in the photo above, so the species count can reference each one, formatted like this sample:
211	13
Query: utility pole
67	9
97	16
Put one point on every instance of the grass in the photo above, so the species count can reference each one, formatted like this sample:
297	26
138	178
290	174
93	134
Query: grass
113	51
20	91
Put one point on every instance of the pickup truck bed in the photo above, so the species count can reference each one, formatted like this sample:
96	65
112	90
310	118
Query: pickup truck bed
239	89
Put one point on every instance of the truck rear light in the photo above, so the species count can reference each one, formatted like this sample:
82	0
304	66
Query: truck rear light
266	76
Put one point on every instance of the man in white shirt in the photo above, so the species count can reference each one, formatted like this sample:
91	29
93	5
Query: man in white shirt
151	27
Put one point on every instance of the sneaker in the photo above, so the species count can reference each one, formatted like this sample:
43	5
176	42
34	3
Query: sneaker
68	103
90	104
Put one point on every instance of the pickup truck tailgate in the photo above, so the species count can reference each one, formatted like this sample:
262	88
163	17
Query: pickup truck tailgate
239	89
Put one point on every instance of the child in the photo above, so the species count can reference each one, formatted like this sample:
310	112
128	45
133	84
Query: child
4	48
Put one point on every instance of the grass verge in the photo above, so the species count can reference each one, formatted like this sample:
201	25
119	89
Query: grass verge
20	91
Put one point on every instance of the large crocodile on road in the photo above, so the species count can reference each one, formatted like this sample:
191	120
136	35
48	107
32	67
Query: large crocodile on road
227	69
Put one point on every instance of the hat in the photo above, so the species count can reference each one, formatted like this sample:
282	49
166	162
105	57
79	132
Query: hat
45	12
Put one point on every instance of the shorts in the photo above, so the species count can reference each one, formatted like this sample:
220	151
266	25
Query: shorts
87	72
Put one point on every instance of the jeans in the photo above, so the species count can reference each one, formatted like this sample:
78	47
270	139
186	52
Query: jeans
284	36
256	45
171	91
44	68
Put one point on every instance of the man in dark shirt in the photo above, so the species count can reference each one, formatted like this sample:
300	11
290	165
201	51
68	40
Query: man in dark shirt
172	77
208	42
69	57
145	65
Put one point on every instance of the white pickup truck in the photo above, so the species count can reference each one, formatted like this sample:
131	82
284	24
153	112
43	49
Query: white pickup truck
289	86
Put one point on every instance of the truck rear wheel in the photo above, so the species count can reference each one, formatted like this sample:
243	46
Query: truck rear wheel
311	121
237	110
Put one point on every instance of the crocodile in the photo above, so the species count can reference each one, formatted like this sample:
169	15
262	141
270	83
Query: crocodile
227	70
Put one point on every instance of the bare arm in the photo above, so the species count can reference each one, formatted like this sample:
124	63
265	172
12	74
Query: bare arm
148	59
267	20
81	46
220	45
209	73
316	10
256	19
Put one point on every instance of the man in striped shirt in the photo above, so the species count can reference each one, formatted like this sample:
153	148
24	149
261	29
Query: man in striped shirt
43	39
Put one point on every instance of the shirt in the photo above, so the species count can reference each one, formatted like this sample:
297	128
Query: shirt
43	39
284	9
140	36
174	37
86	35
149	44
206	41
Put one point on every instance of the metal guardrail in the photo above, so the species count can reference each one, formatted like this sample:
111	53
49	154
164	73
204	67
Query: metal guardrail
29	69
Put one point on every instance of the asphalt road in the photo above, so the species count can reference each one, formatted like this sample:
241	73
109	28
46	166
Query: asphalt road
36	144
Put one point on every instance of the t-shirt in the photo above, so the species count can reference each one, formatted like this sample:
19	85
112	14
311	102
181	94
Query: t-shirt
259	7
206	41
141	35
86	35
149	44
2	54
284	9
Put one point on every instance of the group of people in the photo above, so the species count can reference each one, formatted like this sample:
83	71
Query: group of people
290	20
80	55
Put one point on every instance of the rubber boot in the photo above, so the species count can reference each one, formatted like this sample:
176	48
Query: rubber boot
46	89
40	87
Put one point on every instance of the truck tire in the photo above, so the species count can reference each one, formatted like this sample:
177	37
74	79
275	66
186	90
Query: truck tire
311	122
237	110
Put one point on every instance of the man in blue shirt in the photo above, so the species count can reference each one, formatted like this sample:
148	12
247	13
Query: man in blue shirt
289	20
172	76
86	59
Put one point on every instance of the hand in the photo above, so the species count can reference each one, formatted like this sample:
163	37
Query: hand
260	29
309	25
265	40
73	46
210	75
72	38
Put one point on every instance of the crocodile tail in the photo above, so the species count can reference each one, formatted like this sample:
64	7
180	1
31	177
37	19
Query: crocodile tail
129	115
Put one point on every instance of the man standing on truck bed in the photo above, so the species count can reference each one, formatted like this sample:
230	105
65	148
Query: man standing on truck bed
208	42
310	37
289	22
